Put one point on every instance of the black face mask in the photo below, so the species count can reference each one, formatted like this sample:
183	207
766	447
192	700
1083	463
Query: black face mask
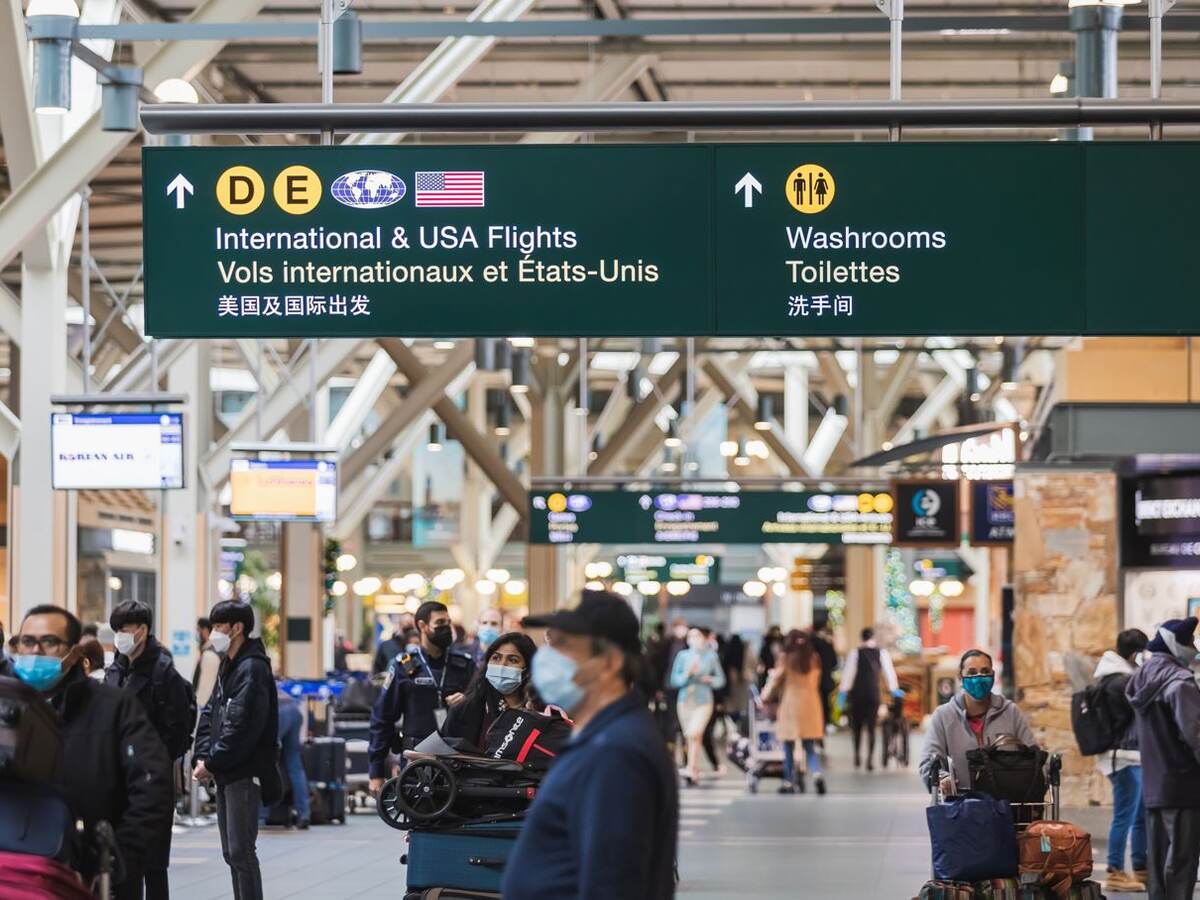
442	636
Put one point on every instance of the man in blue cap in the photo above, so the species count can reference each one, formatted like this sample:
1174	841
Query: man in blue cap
604	823
1166	703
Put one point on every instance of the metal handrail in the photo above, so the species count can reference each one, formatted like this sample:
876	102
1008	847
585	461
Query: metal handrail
263	118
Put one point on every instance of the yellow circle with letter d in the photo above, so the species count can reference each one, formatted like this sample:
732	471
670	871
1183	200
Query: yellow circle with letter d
297	190
810	188
240	190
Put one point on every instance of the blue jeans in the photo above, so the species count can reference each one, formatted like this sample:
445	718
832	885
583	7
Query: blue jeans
290	719
811	755
1129	819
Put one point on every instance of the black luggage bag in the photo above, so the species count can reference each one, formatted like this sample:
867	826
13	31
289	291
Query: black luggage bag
1015	773
30	734
327	803
325	760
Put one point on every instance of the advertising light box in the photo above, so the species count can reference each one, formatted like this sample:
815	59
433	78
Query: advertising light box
283	490
747	517
116	451
1161	522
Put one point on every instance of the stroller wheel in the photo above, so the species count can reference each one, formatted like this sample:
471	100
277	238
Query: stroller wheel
426	789
388	805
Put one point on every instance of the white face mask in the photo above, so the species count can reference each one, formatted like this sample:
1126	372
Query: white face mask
124	642
220	641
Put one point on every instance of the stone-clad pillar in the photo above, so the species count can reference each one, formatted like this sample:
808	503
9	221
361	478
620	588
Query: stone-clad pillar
1065	576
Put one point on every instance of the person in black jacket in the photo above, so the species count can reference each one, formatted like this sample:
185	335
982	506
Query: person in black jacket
113	766
146	670
235	742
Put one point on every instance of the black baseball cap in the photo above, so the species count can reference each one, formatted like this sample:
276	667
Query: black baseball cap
599	614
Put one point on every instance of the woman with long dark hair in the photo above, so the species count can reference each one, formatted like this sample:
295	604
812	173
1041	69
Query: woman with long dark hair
501	683
795	684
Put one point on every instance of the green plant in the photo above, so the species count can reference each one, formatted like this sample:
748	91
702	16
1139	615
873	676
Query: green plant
252	581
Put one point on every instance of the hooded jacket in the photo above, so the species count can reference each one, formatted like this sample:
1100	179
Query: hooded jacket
1114	673
239	725
950	736
1166	702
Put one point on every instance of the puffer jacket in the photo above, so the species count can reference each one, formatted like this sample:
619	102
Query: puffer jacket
1166	701
239	726
950	735
1114	673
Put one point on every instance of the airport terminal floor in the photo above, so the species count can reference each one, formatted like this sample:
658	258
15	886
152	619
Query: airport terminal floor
865	840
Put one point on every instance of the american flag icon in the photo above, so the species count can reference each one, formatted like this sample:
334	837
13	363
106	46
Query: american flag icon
449	188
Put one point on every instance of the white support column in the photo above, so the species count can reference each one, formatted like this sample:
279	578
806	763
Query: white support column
187	579
795	402
302	601
38	536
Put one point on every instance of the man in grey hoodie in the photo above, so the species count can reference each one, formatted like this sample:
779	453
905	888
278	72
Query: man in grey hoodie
973	719
1166	703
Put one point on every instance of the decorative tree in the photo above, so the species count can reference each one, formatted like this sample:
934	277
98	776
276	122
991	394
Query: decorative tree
900	606
333	549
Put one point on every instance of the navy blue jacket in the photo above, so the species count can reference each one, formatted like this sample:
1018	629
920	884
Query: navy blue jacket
416	685
605	822
1166	702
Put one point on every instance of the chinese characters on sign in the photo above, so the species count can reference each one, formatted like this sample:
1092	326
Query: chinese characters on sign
820	304
254	305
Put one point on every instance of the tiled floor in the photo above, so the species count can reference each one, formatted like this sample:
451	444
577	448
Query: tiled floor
865	840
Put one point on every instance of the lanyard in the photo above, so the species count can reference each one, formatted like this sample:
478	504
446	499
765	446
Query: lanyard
429	669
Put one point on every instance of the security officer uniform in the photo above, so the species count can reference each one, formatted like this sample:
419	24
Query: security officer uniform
415	692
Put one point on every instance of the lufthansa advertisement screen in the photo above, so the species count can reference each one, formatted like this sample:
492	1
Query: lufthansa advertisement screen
283	490
134	451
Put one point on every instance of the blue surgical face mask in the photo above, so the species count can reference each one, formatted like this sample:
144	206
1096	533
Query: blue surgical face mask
487	635
979	686
505	679
553	677
40	672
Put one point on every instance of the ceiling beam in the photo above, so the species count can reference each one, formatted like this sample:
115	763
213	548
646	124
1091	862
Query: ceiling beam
35	201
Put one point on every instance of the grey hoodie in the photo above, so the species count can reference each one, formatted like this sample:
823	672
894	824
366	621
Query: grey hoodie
951	736
1166	701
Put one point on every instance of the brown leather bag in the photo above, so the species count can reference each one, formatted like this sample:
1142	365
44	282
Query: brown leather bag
1055	855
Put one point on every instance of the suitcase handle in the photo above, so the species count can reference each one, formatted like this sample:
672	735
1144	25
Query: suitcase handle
487	862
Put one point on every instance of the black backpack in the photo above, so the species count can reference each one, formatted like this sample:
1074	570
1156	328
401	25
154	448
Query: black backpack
1097	729
175	706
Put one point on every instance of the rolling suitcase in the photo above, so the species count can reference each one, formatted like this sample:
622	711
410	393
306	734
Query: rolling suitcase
947	890
470	857
23	876
325	760
327	804
998	889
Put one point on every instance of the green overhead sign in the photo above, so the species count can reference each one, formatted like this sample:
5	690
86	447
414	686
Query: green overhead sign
692	239
744	517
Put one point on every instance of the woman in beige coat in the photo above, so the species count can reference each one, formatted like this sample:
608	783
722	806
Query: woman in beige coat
795	686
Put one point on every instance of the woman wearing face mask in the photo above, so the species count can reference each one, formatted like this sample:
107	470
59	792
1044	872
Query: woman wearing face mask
501	684
696	674
973	719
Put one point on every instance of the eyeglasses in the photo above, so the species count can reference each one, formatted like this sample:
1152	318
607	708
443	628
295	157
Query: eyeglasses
48	642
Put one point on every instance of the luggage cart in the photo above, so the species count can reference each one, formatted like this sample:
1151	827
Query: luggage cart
1023	813
758	752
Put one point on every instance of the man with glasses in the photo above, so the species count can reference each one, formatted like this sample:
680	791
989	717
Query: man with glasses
971	720
113	765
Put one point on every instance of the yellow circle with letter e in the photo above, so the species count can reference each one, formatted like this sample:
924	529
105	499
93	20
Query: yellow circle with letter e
240	190
297	190
556	503
810	188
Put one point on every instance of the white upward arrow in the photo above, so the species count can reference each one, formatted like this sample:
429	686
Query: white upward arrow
747	186
180	187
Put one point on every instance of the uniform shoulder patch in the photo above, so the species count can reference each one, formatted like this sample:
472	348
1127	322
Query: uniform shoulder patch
390	677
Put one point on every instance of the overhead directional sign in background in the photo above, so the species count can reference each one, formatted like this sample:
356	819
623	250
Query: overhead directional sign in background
738	239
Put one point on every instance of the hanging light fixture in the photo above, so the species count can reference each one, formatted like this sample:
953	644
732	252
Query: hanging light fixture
503	417
485	354
762	418
519	370
119	97
673	439
347	44
176	90
742	458
52	27
436	439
